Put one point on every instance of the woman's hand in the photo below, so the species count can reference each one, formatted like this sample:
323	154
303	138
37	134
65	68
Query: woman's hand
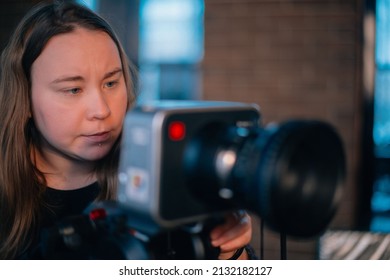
232	235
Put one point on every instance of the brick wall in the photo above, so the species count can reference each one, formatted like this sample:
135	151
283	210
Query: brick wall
296	59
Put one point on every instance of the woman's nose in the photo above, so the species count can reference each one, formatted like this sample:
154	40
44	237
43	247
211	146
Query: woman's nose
98	106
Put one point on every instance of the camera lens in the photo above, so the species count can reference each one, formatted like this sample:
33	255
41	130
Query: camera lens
290	175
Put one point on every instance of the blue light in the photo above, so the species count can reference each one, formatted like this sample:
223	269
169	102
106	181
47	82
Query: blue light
171	31
381	129
383	33
92	4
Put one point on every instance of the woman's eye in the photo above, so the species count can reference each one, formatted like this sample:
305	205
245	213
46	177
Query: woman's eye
74	91
111	84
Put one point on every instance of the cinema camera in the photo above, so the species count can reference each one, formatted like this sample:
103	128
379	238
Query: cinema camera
187	162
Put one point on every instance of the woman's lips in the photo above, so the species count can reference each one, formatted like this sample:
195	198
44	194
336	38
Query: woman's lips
99	137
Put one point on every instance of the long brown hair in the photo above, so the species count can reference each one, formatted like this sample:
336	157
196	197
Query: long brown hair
21	183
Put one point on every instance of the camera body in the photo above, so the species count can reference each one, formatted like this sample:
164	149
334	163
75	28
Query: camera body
153	173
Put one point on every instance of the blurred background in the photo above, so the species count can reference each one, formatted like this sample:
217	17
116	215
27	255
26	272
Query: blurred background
323	59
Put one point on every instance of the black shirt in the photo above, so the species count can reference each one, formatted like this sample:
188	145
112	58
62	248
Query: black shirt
65	203
59	207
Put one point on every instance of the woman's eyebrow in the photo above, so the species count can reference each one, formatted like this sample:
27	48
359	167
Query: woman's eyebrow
80	78
67	79
112	73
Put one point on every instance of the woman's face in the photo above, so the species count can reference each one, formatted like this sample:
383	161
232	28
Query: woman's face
79	95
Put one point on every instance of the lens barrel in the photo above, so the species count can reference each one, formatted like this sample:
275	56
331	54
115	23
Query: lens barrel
291	175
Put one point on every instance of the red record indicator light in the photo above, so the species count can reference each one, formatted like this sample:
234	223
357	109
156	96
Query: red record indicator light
176	130
97	214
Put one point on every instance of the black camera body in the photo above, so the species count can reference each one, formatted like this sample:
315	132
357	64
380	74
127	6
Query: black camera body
153	176
186	161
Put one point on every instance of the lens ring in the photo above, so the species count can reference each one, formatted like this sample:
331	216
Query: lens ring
300	173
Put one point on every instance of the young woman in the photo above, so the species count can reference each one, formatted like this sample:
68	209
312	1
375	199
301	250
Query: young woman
65	87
